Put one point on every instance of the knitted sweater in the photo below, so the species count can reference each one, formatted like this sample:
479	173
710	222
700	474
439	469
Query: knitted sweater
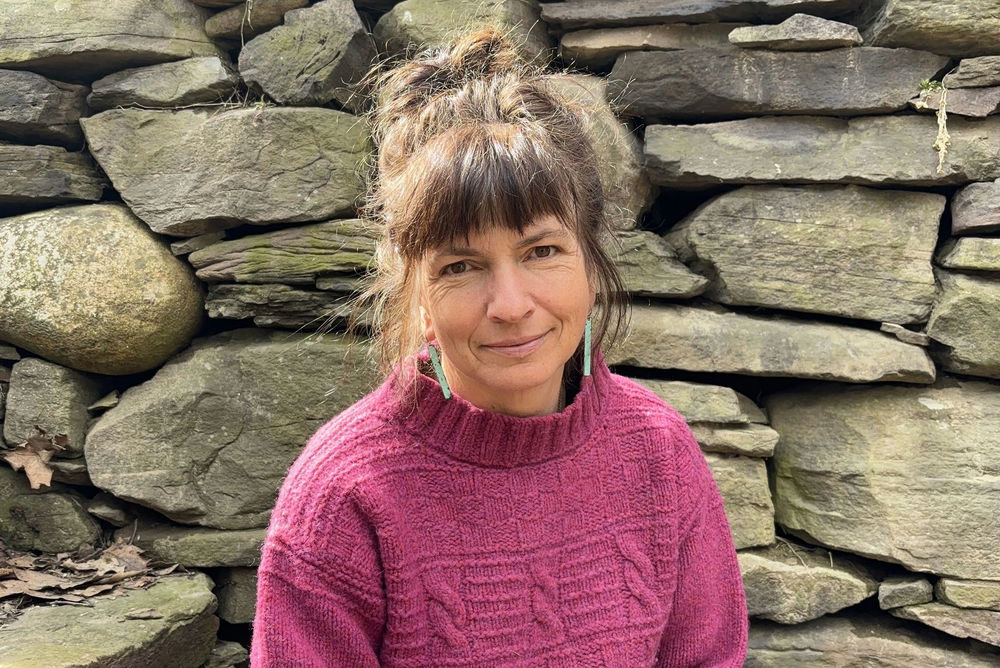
446	535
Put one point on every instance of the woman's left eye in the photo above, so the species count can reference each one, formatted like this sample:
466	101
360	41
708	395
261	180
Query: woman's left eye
543	251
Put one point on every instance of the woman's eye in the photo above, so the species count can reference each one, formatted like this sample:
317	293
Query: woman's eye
544	251
455	268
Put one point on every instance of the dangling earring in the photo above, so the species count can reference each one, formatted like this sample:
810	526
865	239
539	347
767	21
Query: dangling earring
438	371
586	348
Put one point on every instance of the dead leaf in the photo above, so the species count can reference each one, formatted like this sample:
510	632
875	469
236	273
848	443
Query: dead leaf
33	456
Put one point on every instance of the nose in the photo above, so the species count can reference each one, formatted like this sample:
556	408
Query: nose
510	298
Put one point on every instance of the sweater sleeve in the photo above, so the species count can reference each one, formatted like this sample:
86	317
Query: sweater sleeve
708	625
320	603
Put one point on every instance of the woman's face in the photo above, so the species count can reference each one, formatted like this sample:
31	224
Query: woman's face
507	310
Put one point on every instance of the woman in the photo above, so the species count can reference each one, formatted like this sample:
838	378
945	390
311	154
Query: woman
502	499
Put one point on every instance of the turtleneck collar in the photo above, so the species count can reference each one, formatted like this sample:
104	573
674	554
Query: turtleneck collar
486	438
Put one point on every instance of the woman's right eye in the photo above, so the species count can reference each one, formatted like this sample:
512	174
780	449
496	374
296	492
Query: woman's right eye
455	268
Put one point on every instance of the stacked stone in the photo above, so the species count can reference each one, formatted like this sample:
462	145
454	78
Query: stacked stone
798	220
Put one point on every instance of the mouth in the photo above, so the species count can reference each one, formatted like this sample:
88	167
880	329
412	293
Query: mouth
519	347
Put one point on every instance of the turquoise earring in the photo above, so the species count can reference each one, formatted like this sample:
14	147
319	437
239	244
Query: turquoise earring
586	348
438	371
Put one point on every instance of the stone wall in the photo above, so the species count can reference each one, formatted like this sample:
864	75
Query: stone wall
807	199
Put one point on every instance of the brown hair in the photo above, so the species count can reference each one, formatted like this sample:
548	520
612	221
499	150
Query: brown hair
470	136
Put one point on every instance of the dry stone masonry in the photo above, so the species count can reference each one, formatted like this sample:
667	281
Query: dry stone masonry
806	203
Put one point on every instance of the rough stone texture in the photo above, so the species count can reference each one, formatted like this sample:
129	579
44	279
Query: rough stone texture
317	56
253	397
725	83
87	39
905	335
420	24
191	244
244	21
974	72
45	175
840	641
598	48
742	483
193	171
236	589
983	625
107	633
950	27
965	320
842	250
277	305
699	402
296	255
799	32
714	340
80	291
792	583
54	522
970	254
188	81
196	547
54	398
595	13
627	190
227	654
974	102
752	440
900	474
871	150
35	109
975	209
650	267
899	590
980	594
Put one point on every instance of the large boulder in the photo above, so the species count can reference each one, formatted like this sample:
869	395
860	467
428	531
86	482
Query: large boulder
193	171
92	288
954	28
849	251
52	518
966	319
210	437
249	19
894	473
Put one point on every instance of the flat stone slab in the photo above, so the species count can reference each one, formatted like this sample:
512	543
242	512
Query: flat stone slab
751	440
799	32
118	632
196	547
727	83
45	175
870	150
842	250
970	254
980	594
247	20
897	591
973	102
983	625
183	82
895	473
974	72
742	483
955	27
965	320
714	340
278	305
193	171
975	209
34	109
700	402
597	48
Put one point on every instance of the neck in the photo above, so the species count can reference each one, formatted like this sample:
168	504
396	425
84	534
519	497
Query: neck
544	399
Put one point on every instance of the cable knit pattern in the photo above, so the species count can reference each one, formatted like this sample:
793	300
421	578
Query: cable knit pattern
415	531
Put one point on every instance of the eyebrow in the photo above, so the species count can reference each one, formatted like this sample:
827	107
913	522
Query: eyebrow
527	241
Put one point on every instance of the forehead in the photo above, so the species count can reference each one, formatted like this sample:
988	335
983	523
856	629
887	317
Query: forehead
498	237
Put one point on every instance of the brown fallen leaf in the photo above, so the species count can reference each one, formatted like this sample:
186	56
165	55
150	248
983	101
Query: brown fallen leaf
33	456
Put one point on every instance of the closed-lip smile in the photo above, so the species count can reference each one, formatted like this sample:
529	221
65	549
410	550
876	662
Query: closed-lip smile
519	347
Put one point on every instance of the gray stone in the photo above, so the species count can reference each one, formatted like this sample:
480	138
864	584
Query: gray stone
317	56
54	398
751	440
110	509
870	150
227	654
726	83
53	523
974	72
86	40
236	589
195	547
193	171
905	335
191	244
252	396
965	320
107	633
983	625
346	284
215	4
799	32
420	24
596	13
975	209
700	402
843	250
295	256
970	254
277	305
70	471
742	483
875	470
247	20
974	102
980	594
861	639
714	340
954	28
34	109
650	267
188	81
80	290
900	590
791	583
46	175
598	48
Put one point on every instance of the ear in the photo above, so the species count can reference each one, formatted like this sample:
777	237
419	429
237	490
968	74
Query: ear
425	322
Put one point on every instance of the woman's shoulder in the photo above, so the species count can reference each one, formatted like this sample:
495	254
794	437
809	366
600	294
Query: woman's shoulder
639	405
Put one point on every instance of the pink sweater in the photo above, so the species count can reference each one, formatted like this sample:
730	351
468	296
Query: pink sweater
447	535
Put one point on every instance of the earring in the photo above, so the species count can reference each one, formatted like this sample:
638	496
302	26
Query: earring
586	348
438	371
